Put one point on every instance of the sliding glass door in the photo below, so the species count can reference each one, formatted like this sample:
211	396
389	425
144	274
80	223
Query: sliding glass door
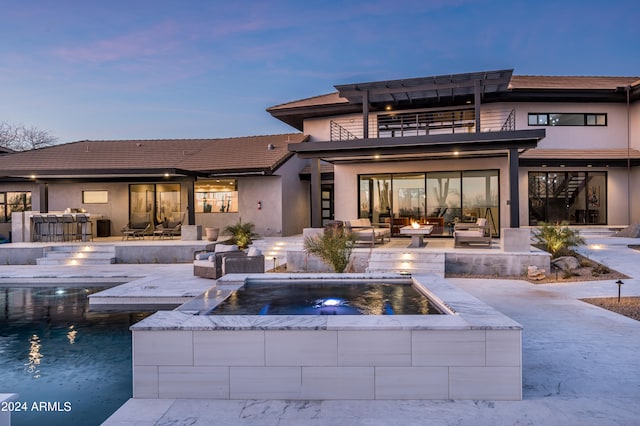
437	198
155	203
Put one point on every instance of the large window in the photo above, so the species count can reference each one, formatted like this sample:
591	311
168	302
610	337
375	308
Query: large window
13	202
567	119
155	202
440	198
217	196
574	197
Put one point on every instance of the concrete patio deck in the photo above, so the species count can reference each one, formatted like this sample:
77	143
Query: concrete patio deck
581	367
580	362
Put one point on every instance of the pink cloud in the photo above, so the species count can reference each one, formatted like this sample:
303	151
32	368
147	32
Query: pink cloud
153	41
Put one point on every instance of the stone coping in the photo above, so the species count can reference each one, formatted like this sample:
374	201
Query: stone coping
467	312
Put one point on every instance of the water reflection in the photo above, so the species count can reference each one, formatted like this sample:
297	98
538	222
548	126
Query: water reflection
302	299
52	348
35	356
71	334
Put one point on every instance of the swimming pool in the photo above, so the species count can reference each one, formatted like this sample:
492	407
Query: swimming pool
68	365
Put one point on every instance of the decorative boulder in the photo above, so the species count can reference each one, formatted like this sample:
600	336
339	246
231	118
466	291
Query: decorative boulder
566	263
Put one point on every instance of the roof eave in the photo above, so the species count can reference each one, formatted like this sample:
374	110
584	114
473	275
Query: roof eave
497	141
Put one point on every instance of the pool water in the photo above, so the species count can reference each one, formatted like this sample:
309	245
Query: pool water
68	365
322	298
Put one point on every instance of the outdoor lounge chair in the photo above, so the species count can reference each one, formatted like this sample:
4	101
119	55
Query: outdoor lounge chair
227	259
366	233
169	230
136	230
472	233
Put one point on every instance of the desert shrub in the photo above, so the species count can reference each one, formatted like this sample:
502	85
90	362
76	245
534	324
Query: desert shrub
557	239
600	270
586	263
568	273
241	234
334	246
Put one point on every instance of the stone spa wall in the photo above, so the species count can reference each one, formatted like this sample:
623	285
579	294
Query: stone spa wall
473	353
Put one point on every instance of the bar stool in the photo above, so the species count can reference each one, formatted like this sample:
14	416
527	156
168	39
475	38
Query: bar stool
40	228
55	227
69	227
85	227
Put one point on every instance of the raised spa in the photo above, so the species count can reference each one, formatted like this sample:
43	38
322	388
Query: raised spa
471	351
326	297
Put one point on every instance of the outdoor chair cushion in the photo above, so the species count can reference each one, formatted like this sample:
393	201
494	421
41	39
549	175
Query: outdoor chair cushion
254	251
221	248
204	256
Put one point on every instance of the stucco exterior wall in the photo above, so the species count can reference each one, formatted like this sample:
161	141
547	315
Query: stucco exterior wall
251	189
296	204
318	129
613	135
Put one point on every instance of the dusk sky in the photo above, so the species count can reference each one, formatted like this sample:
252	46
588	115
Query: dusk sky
208	69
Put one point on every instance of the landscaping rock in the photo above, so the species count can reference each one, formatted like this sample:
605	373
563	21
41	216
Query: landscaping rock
533	273
566	263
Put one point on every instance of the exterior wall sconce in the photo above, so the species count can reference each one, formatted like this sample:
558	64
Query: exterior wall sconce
259	205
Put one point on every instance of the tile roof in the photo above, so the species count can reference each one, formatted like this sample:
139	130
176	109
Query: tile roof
327	99
570	82
581	154
137	156
518	82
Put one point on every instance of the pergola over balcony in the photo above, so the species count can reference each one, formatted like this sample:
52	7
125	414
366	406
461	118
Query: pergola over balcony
447	90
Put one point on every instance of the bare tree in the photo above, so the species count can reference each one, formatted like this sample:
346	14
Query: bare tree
23	138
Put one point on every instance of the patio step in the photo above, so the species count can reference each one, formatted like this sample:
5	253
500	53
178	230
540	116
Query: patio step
78	255
275	250
407	262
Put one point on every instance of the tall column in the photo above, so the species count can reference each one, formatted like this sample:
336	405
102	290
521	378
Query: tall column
365	114
514	192
316	194
191	203
476	103
44	197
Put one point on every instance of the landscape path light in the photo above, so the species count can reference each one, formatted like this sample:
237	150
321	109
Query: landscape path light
619	282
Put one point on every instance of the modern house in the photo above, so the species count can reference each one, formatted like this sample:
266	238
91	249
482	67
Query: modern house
515	149
209	182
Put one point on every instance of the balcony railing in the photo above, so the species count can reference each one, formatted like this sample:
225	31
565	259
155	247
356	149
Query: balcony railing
422	123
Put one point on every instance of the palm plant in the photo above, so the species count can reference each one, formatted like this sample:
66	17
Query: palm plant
334	246
557	239
241	234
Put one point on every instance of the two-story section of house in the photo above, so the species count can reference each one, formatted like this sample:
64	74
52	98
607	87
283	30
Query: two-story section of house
518	150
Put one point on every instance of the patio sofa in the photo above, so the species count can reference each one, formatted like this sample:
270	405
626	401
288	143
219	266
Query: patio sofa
472	233
366	233
228	259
